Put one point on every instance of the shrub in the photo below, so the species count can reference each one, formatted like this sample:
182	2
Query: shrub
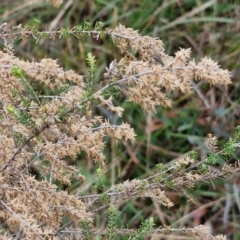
43	135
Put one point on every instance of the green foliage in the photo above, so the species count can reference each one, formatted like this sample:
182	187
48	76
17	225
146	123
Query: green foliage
64	32
82	31
112	217
99	26
146	228
203	168
104	198
170	184
142	186
112	91
21	116
63	113
87	229
87	26
91	74
24	118
212	159
229	148
101	183
19	73
193	155
33	26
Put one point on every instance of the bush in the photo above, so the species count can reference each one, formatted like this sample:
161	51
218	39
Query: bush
44	136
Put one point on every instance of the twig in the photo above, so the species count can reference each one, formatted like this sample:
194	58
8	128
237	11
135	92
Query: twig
18	217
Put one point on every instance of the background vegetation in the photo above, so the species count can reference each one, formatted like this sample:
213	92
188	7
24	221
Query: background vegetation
210	28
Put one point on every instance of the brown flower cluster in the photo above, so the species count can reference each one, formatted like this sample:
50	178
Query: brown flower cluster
39	132
37	207
153	74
